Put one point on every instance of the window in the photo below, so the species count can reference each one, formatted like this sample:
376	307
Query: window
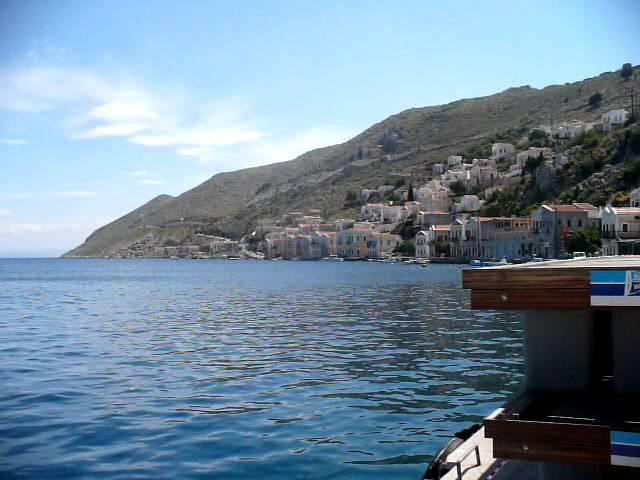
579	223
625	227
569	223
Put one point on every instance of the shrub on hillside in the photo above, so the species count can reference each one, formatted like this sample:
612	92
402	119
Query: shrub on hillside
458	187
595	100
631	173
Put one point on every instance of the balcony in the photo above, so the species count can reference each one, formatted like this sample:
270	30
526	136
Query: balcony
612	234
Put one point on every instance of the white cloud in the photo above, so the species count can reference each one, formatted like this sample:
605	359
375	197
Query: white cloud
269	150
150	181
4	212
139	173
73	194
15	196
13	141
92	106
51	236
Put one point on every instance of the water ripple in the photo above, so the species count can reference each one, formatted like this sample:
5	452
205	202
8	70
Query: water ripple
157	369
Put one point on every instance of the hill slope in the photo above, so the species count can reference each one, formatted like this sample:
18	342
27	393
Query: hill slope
407	143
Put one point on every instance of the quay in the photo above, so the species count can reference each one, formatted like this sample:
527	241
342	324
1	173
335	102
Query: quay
577	415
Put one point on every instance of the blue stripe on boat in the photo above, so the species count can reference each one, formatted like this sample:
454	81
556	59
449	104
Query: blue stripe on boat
625	450
607	289
629	438
618	276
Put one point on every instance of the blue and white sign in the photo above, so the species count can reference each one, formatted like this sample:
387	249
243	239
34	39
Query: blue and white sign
625	449
615	288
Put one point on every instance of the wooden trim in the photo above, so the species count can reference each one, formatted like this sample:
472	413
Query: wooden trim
532	299
549	442
524	279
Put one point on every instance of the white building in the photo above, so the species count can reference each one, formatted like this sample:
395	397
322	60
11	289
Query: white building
634	198
613	118
422	245
454	161
533	152
500	151
468	203
620	230
380	245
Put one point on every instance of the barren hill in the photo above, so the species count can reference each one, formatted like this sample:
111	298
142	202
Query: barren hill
405	144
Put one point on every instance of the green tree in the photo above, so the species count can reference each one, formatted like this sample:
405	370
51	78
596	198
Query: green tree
595	100
351	200
627	71
458	187
585	241
410	196
406	248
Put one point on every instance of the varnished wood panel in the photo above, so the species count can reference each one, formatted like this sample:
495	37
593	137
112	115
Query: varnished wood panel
532	299
549	442
524	279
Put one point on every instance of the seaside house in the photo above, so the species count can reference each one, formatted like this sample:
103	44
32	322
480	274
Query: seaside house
553	224
381	244
620	230
352	242
438	240
428	218
422	245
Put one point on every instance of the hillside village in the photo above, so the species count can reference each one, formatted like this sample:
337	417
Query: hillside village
446	218
440	219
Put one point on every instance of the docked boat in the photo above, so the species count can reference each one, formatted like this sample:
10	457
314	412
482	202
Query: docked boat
577	415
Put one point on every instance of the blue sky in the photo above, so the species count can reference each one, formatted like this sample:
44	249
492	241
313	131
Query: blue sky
106	104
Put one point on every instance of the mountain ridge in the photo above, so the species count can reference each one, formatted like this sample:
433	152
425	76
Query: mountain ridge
404	144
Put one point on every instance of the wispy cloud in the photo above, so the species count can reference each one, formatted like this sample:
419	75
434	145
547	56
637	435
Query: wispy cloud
150	181
55	236
15	195
73	194
95	106
4	212
139	173
92	105
13	141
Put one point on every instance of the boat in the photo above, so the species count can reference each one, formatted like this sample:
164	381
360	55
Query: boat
577	413
485	263
439	466
332	258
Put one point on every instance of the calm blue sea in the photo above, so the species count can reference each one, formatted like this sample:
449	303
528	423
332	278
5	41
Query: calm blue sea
125	369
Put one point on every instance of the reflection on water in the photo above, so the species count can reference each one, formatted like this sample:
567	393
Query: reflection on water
207	369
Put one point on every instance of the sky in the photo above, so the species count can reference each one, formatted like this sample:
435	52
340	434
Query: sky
107	104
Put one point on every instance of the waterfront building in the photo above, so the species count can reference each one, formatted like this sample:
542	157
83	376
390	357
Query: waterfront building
620	230
380	244
553	224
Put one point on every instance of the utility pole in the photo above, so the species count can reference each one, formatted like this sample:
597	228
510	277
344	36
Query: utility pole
633	113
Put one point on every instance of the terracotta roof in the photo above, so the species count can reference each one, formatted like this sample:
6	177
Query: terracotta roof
565	208
585	206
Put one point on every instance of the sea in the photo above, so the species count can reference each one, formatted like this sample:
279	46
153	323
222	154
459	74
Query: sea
217	369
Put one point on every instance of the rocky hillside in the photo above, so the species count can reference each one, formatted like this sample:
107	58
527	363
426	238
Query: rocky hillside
405	145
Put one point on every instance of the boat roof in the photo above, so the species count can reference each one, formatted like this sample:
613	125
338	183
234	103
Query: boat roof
553	284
